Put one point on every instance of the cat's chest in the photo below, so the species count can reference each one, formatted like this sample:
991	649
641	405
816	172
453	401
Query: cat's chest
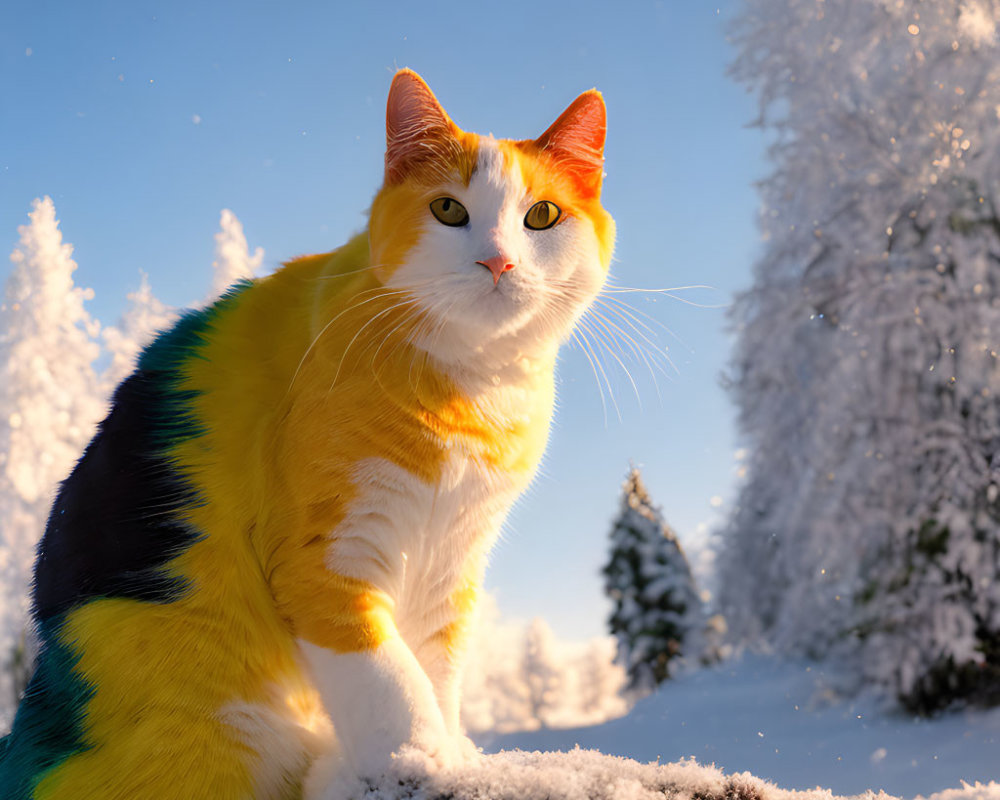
412	538
414	530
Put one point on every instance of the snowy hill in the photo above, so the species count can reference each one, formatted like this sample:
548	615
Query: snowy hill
783	723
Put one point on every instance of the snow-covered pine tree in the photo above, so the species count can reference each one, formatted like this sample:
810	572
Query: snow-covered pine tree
233	261
866	371
658	614
49	407
144	316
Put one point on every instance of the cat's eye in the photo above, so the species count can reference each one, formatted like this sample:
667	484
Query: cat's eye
543	214
448	211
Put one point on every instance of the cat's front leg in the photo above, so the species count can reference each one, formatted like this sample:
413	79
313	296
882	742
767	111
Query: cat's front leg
442	652
380	702
374	690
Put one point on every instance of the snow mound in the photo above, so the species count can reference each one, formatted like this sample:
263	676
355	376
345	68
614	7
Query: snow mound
590	775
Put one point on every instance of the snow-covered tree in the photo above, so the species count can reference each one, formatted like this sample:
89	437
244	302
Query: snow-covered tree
866	371
601	683
144	316
658	614
497	688
543	673
494	696
49	407
233	261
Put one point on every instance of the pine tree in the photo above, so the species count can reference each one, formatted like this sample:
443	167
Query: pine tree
658	615
866	370
49	407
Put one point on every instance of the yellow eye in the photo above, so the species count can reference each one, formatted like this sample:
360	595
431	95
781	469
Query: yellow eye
543	214
448	211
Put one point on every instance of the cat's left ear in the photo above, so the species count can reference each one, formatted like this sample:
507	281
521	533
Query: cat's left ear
576	141
417	129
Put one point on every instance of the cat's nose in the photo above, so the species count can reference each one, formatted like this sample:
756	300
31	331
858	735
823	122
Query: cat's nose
498	265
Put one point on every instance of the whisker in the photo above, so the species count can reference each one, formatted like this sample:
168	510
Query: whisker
640	353
600	366
611	351
361	330
667	293
349	272
644	332
407	317
576	338
436	332
654	347
354	306
634	313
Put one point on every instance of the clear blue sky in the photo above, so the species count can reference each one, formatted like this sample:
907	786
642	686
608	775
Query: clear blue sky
142	120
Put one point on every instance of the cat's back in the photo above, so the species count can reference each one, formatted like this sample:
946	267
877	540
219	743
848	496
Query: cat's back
143	599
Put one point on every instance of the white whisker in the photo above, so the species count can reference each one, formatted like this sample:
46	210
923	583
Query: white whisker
343	356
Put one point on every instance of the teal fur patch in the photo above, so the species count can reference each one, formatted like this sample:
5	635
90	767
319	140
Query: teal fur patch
48	727
163	361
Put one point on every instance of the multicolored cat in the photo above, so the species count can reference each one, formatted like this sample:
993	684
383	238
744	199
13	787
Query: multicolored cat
260	575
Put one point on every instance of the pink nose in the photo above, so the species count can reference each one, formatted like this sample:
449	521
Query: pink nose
498	265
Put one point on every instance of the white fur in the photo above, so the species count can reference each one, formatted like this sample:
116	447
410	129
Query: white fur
378	701
284	743
484	327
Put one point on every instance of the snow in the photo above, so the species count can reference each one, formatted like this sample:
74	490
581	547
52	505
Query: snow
576	775
782	721
590	775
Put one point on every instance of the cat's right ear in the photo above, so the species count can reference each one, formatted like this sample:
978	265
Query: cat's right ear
417	129
576	141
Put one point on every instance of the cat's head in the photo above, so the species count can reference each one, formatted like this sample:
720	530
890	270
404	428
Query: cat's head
502	244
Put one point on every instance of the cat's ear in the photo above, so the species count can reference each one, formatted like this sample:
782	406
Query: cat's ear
417	129
576	141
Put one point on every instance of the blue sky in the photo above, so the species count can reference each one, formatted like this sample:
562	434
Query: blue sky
142	120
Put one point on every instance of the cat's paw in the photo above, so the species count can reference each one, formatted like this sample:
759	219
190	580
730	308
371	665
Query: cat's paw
445	753
467	749
333	778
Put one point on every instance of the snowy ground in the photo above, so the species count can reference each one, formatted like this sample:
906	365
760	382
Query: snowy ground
782	723
578	775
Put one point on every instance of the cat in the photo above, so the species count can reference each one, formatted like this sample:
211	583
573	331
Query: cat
260	575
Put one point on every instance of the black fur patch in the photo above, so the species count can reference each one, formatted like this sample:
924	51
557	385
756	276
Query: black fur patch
114	524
